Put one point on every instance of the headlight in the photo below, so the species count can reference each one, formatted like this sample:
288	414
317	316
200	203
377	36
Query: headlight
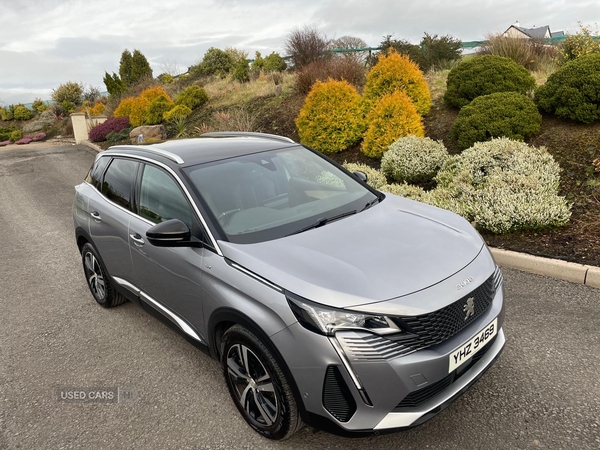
325	320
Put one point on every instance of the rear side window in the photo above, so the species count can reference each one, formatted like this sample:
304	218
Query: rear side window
161	198
94	176
118	181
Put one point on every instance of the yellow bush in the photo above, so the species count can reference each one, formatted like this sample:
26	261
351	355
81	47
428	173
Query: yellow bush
125	107
97	109
152	93
331	119
138	108
395	72
178	112
393	117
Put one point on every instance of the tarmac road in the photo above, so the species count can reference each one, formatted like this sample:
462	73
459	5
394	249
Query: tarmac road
543	393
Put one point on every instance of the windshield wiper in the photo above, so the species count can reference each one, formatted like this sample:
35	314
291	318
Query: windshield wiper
371	203
323	221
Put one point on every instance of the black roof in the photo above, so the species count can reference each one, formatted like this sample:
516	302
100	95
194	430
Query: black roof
203	149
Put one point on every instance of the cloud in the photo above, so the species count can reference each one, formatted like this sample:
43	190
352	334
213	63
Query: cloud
78	41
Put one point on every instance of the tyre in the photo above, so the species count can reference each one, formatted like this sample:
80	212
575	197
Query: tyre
258	386
97	278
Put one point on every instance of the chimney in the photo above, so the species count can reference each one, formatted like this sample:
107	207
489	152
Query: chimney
517	24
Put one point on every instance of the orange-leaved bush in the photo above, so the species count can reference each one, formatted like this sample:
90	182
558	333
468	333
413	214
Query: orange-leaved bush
393	117
138	108
395	72
331	119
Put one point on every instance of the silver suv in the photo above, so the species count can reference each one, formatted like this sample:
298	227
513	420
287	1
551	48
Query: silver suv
326	302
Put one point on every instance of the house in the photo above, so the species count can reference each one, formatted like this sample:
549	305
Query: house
519	32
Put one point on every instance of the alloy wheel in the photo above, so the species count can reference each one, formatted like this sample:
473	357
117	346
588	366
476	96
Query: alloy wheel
94	275
253	386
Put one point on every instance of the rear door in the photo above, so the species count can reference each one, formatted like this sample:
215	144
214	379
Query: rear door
110	213
170	276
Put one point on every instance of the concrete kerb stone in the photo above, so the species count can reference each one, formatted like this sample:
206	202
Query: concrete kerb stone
555	268
91	145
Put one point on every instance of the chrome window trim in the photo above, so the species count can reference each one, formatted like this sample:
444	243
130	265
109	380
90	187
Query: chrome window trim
173	157
183	188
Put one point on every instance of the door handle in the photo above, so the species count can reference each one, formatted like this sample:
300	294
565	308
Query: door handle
137	239
96	216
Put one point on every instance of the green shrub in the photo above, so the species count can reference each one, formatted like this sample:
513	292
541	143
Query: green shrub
393	117
483	75
215	62
433	52
375	178
5	133
330	120
503	186
68	92
241	71
586	41
413	159
274	63
192	97
39	106
22	113
395	72
5	113
178	112
166	78
573	91
16	135
158	107
501	114
68	107
405	190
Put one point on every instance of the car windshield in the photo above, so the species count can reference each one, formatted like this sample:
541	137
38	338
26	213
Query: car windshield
268	195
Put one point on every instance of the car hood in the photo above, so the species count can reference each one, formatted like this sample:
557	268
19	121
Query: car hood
393	249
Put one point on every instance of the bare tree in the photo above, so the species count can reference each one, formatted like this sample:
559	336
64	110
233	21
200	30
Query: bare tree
305	45
351	43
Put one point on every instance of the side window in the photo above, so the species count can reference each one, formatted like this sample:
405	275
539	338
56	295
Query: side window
95	174
161	198
118	181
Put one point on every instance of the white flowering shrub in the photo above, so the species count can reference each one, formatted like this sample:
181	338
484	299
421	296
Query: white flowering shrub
502	186
375	178
413	159
405	190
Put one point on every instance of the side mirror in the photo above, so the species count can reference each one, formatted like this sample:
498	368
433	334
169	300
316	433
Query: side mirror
360	175
172	233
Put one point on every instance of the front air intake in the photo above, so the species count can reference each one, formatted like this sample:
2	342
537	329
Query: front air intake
337	398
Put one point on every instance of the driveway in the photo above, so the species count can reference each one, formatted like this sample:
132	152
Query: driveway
543	393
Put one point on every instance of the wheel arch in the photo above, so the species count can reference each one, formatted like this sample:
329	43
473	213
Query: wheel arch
224	318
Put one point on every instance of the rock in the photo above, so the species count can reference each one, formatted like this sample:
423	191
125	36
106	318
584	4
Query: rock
45	119
148	133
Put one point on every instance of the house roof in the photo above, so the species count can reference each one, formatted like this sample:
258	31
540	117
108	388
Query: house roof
535	33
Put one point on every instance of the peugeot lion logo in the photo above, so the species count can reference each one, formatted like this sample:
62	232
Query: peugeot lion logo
469	307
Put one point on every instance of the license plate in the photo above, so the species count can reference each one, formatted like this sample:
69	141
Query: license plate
466	352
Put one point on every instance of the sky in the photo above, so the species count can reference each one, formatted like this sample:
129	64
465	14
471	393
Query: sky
44	43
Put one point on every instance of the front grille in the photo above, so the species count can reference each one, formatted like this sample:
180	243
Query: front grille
337	398
436	327
419	332
417	398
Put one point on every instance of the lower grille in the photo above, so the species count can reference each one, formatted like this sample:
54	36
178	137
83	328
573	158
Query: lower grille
417	398
337	398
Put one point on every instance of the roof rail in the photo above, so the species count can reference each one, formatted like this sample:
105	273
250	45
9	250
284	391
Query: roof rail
149	148
273	137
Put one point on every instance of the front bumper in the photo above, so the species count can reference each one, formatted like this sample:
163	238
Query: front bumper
385	383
